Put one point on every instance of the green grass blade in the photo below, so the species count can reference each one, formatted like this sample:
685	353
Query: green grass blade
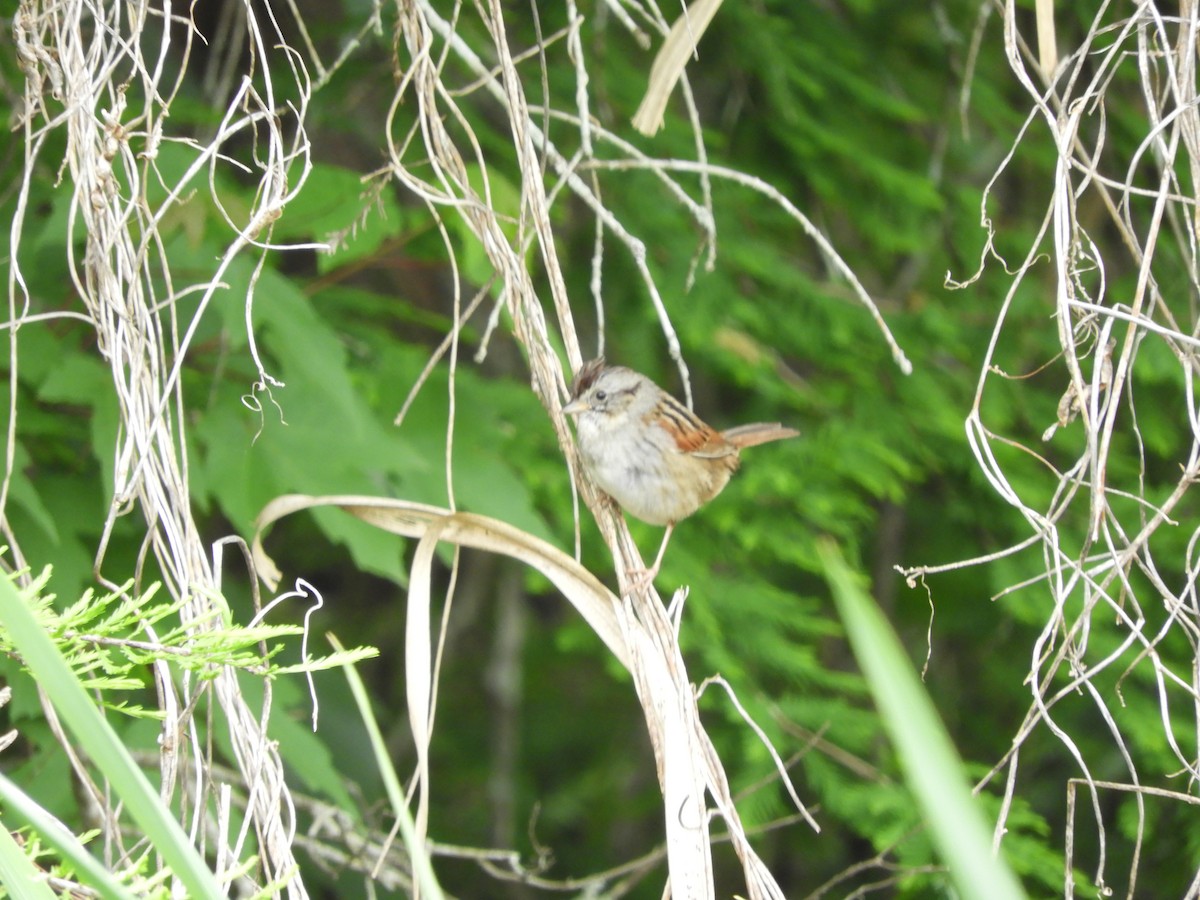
932	767
421	866
88	869
102	745
20	876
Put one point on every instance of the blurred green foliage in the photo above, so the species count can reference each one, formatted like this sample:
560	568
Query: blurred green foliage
851	110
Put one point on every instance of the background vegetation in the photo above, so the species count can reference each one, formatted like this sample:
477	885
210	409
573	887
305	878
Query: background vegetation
312	269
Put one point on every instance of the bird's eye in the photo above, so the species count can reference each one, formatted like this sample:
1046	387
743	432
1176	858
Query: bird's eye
601	396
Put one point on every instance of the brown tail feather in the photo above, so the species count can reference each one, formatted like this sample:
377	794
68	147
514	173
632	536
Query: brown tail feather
758	433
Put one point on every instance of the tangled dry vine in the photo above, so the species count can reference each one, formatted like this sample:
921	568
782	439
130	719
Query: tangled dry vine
1098	512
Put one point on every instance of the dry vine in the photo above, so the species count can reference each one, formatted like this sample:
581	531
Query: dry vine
114	72
1105	523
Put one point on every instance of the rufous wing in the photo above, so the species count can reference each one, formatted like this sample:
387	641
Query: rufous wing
691	435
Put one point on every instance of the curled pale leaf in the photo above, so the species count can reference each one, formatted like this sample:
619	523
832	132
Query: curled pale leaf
595	602
676	50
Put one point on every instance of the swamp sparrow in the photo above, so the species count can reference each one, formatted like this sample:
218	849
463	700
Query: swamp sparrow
651	453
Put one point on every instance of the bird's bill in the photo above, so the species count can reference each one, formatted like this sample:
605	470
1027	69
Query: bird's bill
577	406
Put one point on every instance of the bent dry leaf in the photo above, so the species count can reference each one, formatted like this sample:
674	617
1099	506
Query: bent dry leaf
639	636
583	589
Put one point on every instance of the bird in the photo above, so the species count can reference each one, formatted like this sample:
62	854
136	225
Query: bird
655	457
